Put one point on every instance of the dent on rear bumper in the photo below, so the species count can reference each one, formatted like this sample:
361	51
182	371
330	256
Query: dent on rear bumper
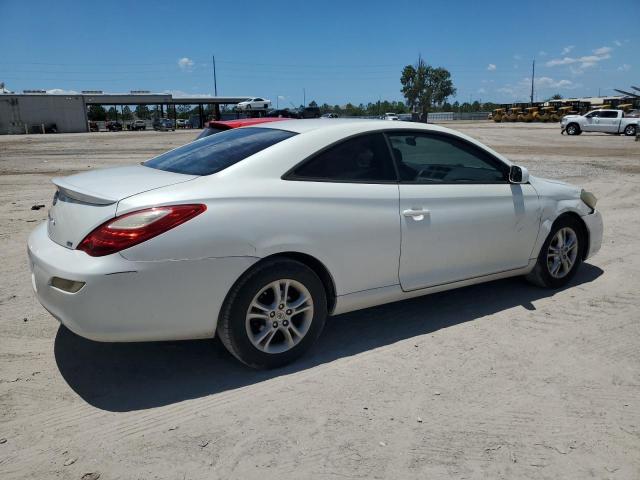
594	224
124	300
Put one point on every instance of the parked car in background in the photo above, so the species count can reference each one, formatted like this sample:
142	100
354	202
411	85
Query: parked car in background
257	234
309	112
163	125
390	116
330	115
605	121
93	126
281	113
256	103
113	126
217	126
138	125
183	123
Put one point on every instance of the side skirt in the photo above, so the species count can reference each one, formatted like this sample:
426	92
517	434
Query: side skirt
379	296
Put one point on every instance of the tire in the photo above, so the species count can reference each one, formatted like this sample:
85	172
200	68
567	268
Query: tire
630	130
544	274
573	129
256	335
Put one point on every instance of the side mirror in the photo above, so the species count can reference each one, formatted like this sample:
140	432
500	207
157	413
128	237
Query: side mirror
518	174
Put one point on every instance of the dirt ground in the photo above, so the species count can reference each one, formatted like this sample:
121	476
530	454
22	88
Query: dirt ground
501	380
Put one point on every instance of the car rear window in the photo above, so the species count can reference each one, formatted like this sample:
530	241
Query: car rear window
217	152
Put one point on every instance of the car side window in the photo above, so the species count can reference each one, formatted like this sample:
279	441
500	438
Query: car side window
609	114
359	159
434	158
593	115
257	100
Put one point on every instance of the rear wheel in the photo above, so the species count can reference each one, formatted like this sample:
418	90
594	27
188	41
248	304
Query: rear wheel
273	314
630	130
560	256
573	129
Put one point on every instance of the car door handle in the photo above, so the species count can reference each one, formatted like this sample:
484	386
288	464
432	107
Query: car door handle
415	213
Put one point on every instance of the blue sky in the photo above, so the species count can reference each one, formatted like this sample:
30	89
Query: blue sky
338	51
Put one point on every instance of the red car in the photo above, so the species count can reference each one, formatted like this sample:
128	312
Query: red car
217	126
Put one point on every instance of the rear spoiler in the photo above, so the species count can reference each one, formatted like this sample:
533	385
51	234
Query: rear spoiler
81	194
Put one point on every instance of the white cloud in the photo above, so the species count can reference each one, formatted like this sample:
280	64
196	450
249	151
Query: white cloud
567	49
482	90
491	67
625	67
185	63
602	50
547	82
617	43
586	61
522	89
517	56
542	53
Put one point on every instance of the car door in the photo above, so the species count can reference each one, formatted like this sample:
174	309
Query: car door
608	121
343	202
592	122
460	216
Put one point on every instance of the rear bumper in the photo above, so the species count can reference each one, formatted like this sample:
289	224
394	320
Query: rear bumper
124	301
594	224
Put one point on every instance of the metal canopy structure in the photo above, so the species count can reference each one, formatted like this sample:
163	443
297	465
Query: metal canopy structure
161	99
157	99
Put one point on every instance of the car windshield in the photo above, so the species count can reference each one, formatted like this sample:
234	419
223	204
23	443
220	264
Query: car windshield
217	152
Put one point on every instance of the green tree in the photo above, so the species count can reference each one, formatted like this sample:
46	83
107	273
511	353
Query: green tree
96	113
424	86
557	96
142	112
313	103
126	113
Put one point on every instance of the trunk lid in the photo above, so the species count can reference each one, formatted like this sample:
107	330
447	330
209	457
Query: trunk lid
86	200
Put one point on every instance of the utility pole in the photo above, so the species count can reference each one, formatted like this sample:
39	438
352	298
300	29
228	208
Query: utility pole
533	76
215	81
304	97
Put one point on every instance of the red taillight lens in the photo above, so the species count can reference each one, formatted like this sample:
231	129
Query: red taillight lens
136	227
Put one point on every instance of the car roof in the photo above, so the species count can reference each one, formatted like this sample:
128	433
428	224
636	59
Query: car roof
360	124
243	122
323	127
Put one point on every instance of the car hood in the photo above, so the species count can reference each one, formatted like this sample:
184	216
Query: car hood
555	188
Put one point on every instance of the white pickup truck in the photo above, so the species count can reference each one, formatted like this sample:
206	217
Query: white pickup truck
606	121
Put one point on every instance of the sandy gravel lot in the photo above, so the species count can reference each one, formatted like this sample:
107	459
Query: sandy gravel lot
502	380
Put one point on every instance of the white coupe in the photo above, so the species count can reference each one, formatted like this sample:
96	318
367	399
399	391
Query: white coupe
256	103
257	234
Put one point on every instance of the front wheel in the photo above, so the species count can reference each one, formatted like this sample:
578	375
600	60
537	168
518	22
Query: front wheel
630	130
273	314
560	256
573	129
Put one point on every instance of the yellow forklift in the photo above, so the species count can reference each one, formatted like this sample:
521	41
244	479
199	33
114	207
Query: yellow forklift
498	114
562	111
547	114
531	114
514	115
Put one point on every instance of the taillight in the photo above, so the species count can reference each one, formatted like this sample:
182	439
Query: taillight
136	227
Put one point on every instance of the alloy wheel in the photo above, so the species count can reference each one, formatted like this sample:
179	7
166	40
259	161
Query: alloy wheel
279	316
562	252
